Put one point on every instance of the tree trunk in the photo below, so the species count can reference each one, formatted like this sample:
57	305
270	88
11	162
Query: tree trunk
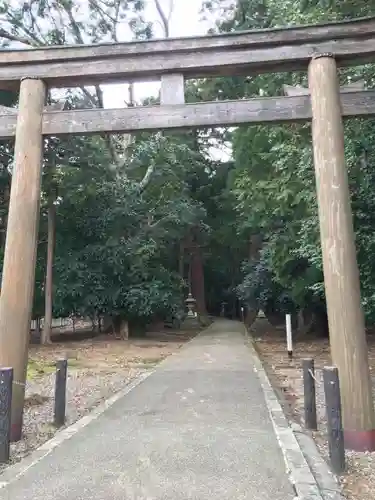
37	326
48	296
120	327
181	260
300	321
124	329
255	246
197	280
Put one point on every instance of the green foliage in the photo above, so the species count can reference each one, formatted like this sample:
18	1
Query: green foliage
273	180
113	242
123	208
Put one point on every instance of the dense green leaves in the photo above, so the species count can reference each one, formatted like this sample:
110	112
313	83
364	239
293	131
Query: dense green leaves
122	206
113	243
129	212
273	181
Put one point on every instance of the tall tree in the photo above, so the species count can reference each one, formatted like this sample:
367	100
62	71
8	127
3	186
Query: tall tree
273	181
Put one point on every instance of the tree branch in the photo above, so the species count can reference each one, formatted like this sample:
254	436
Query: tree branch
26	30
165	21
146	179
15	38
114	19
163	17
74	26
63	12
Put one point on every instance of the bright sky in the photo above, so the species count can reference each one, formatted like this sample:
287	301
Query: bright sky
185	21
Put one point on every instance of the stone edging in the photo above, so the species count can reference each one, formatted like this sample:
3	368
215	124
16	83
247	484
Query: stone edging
14	472
304	476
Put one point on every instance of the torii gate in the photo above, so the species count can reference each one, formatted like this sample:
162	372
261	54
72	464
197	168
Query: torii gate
318	49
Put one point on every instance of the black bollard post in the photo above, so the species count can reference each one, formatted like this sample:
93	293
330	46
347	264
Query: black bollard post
334	419
309	394
6	386
60	392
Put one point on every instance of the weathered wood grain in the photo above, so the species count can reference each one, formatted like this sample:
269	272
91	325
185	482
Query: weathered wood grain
291	90
273	36
347	332
240	53
18	277
172	89
207	114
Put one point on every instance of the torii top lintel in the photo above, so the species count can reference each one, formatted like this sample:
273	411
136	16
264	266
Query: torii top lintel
272	50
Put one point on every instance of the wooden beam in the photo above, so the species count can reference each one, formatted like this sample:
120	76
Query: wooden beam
291	90
286	49
206	114
172	89
357	28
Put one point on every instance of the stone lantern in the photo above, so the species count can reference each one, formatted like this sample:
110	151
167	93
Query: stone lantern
190	303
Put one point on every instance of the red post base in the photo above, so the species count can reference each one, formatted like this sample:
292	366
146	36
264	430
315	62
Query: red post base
359	440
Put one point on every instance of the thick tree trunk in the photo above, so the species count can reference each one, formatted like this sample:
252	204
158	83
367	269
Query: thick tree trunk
255	246
124	329
120	327
48	296
37	326
117	325
300	321
93	325
181	260
197	280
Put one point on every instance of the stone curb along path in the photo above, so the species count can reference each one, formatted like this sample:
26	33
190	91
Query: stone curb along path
308	472
13	472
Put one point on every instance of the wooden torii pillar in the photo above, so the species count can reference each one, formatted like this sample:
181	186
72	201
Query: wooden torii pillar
341	276
17	287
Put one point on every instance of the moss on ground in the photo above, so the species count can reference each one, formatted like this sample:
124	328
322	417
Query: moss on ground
37	368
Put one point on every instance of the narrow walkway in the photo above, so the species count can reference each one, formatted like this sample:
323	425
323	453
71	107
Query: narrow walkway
198	428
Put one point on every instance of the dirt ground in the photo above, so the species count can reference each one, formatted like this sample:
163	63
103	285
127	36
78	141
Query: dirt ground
105	353
97	368
359	481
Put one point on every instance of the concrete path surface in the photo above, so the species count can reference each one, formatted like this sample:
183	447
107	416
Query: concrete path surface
196	428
